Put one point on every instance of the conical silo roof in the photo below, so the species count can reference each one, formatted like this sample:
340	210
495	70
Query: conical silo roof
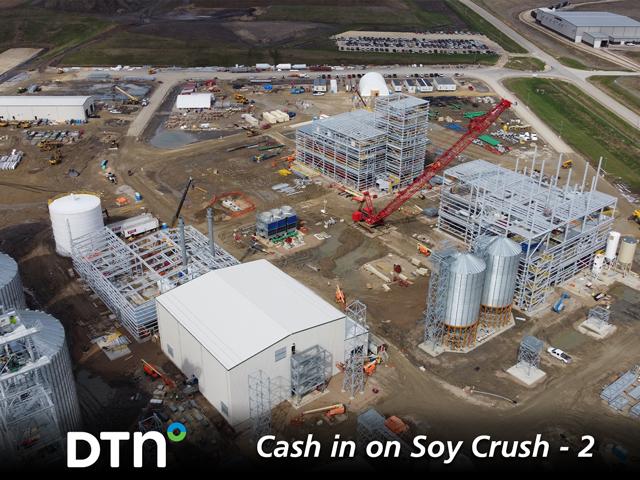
503	247
467	263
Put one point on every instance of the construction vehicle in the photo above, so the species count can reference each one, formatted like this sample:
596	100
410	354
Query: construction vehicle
558	307
155	372
367	212
239	98
48	145
4	123
132	100
289	159
423	250
340	298
152	71
567	164
56	158
330	411
635	216
24	124
182	199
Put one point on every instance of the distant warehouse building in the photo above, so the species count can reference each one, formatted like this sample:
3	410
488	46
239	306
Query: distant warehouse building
598	29
60	108
231	324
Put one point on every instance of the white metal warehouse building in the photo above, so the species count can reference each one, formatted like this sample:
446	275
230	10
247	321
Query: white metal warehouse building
598	29
194	100
230	323
59	108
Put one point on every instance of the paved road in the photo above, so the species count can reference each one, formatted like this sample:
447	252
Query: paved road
577	77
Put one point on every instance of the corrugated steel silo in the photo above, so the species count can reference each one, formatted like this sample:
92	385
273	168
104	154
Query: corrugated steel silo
464	293
11	293
50	341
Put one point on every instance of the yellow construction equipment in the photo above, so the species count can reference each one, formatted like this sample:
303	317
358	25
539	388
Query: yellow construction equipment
239	98
635	216
24	124
4	123
133	100
567	164
56	158
48	145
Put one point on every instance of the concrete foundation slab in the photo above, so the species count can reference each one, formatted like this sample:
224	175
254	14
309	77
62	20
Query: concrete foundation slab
526	375
596	329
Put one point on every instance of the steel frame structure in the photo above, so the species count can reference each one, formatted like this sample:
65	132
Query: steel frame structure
346	148
434	329
260	404
600	315
310	370
356	344
29	427
559	227
405	119
128	276
529	353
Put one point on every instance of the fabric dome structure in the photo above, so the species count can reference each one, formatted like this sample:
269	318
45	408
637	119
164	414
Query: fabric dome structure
372	84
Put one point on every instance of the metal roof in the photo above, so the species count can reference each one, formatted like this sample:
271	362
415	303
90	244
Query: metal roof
237	312
50	336
467	263
43	100
349	124
503	247
400	100
8	269
444	81
595	19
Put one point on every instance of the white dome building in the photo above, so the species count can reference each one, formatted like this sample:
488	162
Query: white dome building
372	84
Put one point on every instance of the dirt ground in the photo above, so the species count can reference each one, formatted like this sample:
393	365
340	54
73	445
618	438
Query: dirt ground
428	393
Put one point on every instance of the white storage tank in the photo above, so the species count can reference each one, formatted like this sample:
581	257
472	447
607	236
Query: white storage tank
613	240
11	293
73	216
598	263
50	341
502	257
464	291
627	251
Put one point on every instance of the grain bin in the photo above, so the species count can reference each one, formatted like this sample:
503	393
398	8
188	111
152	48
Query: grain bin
464	293
11	293
50	341
613	240
73	216
627	252
502	257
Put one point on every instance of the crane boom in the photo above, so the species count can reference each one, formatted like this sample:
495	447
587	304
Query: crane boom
476	127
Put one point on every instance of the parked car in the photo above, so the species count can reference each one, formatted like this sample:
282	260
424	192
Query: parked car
559	354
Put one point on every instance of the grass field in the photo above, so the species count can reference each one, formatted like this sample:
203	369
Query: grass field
479	24
56	31
588	127
572	63
138	49
528	64
625	89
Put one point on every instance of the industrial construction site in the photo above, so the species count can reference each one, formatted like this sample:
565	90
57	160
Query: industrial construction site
289	249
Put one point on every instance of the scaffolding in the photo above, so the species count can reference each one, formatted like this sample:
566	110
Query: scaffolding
29	426
260	404
310	370
405	120
437	298
356	344
346	148
558	227
529	353
600	316
128	276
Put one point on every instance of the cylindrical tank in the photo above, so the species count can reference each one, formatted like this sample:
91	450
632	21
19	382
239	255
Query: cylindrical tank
627	250
613	240
502	257
598	262
73	216
50	342
11	293
464	291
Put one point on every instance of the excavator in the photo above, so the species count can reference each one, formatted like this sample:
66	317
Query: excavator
367	212
56	158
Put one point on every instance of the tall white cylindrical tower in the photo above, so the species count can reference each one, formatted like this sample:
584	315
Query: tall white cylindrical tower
73	216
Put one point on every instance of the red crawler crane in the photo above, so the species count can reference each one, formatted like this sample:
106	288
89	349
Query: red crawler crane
367	211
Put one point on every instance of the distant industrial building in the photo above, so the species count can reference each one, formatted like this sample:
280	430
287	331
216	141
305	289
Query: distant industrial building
249	330
598	29
444	84
319	85
194	100
558	227
54	108
372	84
362	149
